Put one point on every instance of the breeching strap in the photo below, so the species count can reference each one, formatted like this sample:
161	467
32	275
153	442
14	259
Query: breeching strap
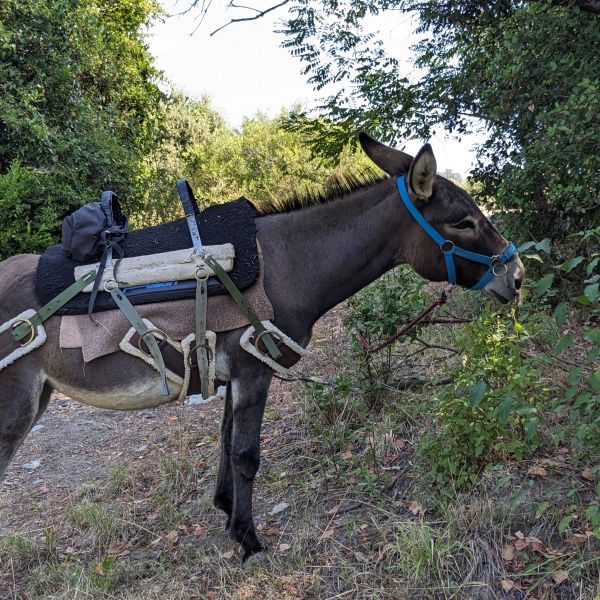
450	249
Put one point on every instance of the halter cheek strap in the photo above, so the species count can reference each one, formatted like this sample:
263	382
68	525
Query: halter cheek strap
496	264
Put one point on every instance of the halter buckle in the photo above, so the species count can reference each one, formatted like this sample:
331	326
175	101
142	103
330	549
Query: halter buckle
450	247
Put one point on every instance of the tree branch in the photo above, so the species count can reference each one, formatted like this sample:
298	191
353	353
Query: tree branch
259	15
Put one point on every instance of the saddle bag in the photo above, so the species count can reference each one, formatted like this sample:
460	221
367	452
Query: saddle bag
88	231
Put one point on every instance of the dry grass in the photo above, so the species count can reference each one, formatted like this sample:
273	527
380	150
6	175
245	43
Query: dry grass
361	524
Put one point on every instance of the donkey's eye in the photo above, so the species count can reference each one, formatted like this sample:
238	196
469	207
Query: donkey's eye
464	224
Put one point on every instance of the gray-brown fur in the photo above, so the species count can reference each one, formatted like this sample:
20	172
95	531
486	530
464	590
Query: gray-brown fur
315	258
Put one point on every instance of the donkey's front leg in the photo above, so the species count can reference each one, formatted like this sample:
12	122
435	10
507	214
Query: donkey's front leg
223	497
249	391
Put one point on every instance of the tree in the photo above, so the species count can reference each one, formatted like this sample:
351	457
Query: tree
77	86
527	69
263	161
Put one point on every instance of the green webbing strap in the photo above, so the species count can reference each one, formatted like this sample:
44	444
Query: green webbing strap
145	334
49	309
201	350
243	304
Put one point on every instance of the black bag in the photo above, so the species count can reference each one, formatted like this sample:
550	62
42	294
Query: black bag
95	231
87	232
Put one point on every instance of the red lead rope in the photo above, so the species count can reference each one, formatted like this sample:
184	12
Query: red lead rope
418	319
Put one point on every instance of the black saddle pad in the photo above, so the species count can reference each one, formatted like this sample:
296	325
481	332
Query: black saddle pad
232	222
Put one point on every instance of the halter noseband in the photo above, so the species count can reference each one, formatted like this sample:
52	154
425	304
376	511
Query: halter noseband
496	264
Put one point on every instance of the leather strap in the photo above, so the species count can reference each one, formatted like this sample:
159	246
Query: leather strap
190	208
243	305
201	349
138	324
51	307
113	234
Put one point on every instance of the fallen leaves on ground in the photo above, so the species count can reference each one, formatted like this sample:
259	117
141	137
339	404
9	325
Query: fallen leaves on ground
538	471
560	576
508	552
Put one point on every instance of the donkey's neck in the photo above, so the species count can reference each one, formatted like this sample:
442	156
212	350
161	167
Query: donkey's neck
317	257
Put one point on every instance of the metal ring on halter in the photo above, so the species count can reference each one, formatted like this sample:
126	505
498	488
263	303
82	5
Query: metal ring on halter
496	265
31	332
450	249
263	333
105	285
205	271
157	333
193	350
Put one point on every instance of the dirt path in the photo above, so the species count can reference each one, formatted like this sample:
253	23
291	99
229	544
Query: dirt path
77	444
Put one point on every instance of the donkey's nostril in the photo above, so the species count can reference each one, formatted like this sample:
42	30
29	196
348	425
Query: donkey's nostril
518	283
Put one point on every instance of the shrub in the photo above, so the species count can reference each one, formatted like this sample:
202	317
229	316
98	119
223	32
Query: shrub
32	204
491	409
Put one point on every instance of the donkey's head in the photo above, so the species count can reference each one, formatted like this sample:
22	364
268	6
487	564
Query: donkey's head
450	238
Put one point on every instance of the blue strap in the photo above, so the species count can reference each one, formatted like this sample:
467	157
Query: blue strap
417	216
448	247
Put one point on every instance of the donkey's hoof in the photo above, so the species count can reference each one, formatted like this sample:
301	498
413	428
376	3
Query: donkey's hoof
254	560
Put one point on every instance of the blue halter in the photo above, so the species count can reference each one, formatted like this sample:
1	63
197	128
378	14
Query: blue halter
450	249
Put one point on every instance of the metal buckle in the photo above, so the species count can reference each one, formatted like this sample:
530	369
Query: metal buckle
107	289
194	349
31	332
202	273
259	337
157	333
450	249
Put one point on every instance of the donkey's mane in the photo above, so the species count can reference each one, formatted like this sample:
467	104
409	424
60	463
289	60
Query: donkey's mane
335	187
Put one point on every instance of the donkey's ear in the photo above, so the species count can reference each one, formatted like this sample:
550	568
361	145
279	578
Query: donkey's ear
422	172
393	162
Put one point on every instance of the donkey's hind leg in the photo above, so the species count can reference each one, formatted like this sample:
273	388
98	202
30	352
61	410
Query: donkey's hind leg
24	398
223	498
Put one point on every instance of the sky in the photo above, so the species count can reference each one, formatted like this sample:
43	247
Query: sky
244	70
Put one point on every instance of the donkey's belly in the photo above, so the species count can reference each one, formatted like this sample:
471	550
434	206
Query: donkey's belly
143	393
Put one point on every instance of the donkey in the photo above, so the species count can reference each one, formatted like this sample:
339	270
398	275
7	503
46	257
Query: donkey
315	257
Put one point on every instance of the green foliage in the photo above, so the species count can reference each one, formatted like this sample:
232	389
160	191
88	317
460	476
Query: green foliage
76	88
395	298
32	204
528	70
492	408
582	389
262	161
377	312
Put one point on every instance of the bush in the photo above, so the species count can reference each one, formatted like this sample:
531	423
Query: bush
376	312
32	204
491	410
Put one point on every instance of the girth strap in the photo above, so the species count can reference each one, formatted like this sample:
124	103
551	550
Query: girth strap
201	312
190	208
